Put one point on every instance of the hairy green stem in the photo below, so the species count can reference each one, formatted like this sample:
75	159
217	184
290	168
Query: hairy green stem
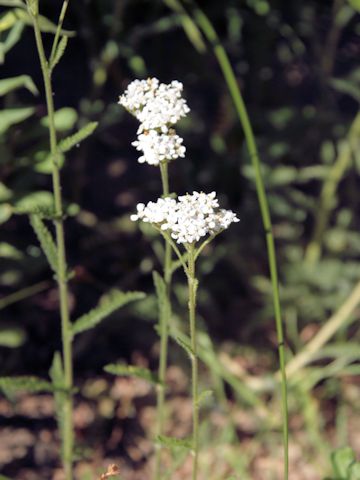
234	90
192	286
68	439
164	333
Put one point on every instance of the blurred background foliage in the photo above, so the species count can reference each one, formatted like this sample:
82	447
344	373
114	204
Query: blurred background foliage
297	65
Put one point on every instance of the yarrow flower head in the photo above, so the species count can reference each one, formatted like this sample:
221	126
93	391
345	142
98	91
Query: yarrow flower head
187	219
156	105
159	147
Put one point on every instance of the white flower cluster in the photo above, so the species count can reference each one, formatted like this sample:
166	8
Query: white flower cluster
158	147
157	106
188	218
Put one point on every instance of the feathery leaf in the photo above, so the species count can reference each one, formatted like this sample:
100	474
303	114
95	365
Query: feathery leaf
108	304
172	442
27	384
46	240
56	374
132	371
70	142
58	53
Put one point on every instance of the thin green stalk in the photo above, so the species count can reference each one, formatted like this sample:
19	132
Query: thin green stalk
58	29
23	293
192	286
164	333
234	90
68	440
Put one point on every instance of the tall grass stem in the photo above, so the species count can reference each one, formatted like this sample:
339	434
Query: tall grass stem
227	70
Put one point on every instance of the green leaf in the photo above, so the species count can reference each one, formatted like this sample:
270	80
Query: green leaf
10	117
56	374
13	36
46	241
5	212
27	384
5	193
22	81
12	337
347	87
60	50
132	371
355	4
12	3
44	23
33	6
341	460
107	305
9	251
34	203
45	165
172	442
7	21
65	119
184	342
190	28
70	142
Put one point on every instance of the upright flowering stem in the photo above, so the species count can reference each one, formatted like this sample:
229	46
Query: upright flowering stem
68	441
192	286
235	92
164	334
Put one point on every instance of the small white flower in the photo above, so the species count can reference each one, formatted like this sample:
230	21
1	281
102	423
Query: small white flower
156	105
138	93
159	147
189	218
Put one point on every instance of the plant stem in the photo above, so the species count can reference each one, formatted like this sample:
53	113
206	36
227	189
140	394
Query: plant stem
192	285
58	29
234	90
62	268
164	333
23	293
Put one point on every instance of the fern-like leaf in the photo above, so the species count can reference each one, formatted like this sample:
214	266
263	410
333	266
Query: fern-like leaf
27	384
60	49
56	373
172	442
46	241
70	142
132	371
108	304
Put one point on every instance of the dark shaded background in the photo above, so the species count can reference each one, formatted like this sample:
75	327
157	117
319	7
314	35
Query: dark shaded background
286	56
